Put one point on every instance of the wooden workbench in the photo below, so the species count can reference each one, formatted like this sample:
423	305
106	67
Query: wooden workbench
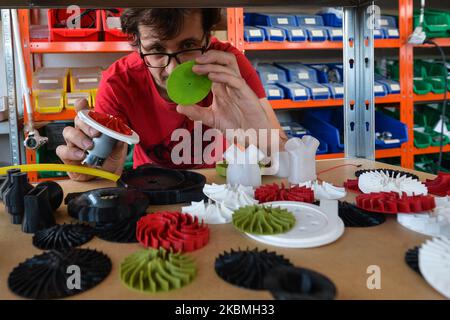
345	261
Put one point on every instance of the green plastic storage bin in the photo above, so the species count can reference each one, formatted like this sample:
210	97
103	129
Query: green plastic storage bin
436	23
422	86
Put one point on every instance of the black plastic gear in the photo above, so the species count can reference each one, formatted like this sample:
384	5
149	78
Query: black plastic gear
46	276
165	186
352	216
412	259
389	171
123	231
63	236
107	205
248	268
292	283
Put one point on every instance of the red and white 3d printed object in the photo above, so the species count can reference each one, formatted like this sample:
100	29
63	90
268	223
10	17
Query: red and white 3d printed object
273	192
439	186
172	230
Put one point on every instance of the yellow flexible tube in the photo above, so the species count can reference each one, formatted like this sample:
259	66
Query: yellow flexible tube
62	167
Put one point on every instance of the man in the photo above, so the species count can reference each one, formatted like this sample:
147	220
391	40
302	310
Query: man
134	88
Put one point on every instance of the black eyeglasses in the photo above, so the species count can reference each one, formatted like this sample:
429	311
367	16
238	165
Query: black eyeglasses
162	60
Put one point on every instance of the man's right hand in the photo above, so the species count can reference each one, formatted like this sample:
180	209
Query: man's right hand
79	139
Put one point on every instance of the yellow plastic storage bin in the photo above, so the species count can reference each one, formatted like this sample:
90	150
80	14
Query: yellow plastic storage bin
72	97
49	102
50	79
85	79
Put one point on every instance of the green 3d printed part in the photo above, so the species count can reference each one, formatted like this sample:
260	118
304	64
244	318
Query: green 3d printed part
263	220
186	87
155	270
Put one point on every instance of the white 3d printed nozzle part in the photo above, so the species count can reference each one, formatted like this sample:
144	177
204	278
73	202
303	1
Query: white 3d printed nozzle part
325	190
434	264
380	181
210	213
434	224
302	159
232	197
243	166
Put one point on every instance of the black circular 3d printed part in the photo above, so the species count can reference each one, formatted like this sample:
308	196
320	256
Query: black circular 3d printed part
391	172
122	231
165	186
292	283
352	216
46	276
63	236
107	205
248	268
412	259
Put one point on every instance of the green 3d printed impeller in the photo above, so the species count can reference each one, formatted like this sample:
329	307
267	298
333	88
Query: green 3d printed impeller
186	87
263	220
155	270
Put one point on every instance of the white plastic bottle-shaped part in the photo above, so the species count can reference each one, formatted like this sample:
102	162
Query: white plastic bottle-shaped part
302	159
243	166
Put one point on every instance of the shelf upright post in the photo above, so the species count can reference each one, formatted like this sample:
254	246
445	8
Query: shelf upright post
14	132
359	108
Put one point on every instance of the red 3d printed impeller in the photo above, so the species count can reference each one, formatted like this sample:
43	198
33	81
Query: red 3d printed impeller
439	186
111	122
172	230
273	192
352	185
392	202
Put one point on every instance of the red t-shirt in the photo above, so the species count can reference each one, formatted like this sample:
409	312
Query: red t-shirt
127	90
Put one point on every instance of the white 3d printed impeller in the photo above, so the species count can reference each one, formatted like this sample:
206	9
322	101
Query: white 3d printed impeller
232	197
435	223
434	264
210	213
325	190
379	181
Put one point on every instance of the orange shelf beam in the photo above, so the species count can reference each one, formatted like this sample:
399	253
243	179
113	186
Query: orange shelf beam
430	97
64	115
442	42
289	104
308	45
429	150
77	47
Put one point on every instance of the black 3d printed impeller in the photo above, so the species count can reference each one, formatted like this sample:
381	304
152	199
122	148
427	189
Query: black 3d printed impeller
412	259
391	172
248	268
123	231
46	276
63	236
292	283
107	205
352	216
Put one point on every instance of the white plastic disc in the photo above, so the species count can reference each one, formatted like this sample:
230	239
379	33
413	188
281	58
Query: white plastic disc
315	226
130	139
434	264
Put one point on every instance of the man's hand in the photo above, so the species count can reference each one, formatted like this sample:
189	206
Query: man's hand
235	105
79	139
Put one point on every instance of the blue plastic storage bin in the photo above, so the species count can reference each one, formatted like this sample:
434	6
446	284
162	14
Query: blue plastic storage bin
331	19
294	91
309	20
270	74
379	89
322	71
295	34
327	125
248	19
393	87
273	33
296	71
336	72
295	130
274	20
253	34
336	89
399	131
335	34
316	90
387	22
316	33
273	92
391	33
378	34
